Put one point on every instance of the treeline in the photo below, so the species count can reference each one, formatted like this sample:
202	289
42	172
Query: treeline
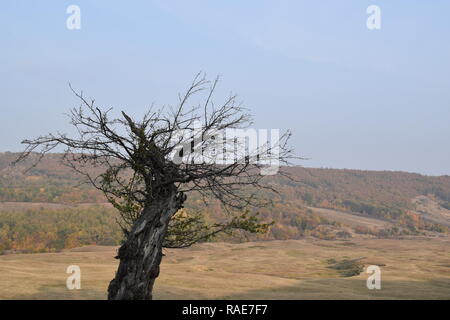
379	193
382	195
49	181
53	229
45	229
50	230
48	193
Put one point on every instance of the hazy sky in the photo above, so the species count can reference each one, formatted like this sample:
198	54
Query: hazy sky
353	97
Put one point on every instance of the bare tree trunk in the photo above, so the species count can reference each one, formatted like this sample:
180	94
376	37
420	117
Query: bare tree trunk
141	254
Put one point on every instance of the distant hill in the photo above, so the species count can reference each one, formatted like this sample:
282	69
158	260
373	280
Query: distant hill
378	194
323	203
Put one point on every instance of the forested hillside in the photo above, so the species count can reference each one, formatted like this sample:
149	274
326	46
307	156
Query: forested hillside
384	198
379	194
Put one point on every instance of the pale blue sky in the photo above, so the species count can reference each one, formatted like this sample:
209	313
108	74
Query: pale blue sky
354	98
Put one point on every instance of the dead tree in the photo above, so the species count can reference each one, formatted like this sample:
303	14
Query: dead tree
146	169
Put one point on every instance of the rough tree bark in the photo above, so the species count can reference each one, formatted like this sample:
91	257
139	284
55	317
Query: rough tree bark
140	255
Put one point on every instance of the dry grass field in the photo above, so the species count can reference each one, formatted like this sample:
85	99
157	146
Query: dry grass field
351	219
292	269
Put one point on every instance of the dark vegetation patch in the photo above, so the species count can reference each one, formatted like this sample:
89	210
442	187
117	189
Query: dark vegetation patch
347	267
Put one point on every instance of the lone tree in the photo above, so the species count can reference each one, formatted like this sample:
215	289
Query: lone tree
147	168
